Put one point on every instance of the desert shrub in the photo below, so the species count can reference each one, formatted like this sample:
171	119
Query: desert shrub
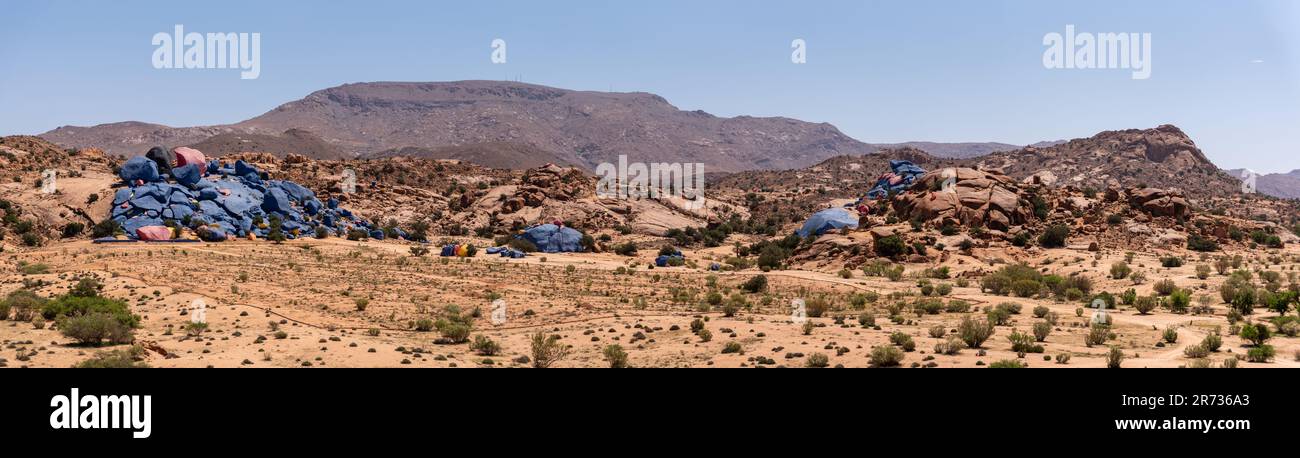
957	306
484	346
1023	343
1196	242
1202	271
1041	330
1261	354
886	356
71	306
1004	280
733	347
951	346
1055	236
818	360
1171	262
756	284
1120	271
974	333
1170	335
938	331
1114	357
1164	287
361	303
1137	278
625	249
890	246
1128	297
1144	304
1196	351
929	306
816	306
998	316
95	328
1097	335
1179	300
615	356
454	325
132	357
903	340
1256	334
547	350
23	303
1025	288
1007	364
1063	358
1212	342
106	228
705	335
943	289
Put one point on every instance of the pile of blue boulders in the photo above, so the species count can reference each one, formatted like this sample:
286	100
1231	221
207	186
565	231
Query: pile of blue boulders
222	202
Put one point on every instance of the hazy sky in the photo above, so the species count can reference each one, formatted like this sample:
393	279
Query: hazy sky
1227	72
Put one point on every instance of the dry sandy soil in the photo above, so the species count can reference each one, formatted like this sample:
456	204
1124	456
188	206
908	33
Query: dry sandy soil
309	288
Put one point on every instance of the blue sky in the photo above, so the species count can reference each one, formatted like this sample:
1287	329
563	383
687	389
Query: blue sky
1228	73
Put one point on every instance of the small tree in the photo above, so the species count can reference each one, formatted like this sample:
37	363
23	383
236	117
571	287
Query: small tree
547	350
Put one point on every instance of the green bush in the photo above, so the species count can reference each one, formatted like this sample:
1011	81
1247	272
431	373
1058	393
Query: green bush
1055	236
890	246
1180	300
974	333
72	306
1171	262
755	284
95	328
1097	334
1023	343
1195	242
615	356
1007	364
1144	304
1212	342
454	325
625	249
485	346
1041	330
1261	354
886	356
1256	334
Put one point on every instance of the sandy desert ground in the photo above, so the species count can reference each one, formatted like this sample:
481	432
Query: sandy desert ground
296	305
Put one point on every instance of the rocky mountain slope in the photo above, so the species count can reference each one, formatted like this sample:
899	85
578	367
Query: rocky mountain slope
581	128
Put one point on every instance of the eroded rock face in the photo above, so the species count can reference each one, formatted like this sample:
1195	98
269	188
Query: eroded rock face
1159	202
971	198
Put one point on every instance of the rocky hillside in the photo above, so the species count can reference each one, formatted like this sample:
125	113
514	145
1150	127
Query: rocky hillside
1162	157
581	128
